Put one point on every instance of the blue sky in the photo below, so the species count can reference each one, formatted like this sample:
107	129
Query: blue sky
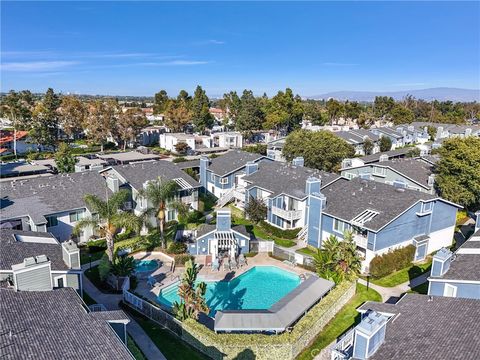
137	48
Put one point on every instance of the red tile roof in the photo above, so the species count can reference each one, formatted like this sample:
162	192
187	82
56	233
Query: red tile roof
6	136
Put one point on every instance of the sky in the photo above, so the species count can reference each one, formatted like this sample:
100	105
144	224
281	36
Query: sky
138	48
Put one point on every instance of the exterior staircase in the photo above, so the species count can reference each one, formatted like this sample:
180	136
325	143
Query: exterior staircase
226	198
302	234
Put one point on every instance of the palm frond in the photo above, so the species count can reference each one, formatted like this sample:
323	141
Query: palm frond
127	221
84	223
116	201
96	205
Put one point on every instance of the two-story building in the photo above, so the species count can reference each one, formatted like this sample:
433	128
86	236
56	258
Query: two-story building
169	141
382	217
51	204
411	173
221	174
135	177
34	261
416	327
457	274
396	137
283	188
357	139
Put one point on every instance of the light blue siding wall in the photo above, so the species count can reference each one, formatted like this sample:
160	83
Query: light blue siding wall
203	172
224	222
360	347
436	268
470	291
314	221
200	247
376	340
444	216
371	240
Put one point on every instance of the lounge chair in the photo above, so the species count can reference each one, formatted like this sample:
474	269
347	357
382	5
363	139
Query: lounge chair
233	264
215	265
290	263
241	260
226	264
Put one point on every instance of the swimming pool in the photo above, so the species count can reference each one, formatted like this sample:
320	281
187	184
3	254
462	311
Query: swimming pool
145	265
257	289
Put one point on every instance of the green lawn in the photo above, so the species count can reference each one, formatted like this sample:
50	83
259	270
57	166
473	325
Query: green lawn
134	349
260	233
404	275
420	289
85	258
306	251
172	347
344	320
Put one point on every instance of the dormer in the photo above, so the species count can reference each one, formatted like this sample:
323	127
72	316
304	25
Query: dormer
298	161
369	335
251	167
441	262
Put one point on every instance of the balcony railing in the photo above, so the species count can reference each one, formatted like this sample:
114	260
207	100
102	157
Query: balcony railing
187	199
360	240
287	214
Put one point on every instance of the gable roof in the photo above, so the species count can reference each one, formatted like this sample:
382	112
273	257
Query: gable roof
137	174
390	154
281	178
231	161
205	229
55	325
13	251
347	199
444	328
37	197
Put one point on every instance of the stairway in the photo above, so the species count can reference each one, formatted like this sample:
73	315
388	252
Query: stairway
302	234
226	198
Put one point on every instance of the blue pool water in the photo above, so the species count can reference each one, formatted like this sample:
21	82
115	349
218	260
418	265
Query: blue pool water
259	288
145	265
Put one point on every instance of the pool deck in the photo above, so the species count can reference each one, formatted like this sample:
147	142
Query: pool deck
165	277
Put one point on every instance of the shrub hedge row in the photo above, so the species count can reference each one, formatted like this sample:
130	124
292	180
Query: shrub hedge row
382	265
285	234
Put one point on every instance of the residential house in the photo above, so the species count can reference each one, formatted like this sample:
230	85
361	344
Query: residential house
396	137
416	327
168	141
375	158
23	169
275	149
457	274
357	139
382	217
135	177
221	174
35	261
283	188
150	135
412	173
128	157
50	204
217	113
23	144
57	325
89	164
227	140
220	239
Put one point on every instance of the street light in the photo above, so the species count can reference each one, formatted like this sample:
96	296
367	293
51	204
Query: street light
90	258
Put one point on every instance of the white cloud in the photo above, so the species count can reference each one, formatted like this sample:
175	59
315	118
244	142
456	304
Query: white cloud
210	42
36	65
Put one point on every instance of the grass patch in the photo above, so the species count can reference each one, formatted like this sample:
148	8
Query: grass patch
87	299
307	251
171	346
420	289
85	256
93	275
404	275
134	349
343	320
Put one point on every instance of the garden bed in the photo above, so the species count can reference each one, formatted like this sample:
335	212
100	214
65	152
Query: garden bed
404	275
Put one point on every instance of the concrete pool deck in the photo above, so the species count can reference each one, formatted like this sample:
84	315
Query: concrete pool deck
166	277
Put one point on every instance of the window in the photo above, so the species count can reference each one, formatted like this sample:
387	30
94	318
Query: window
450	291
170	215
52	221
379	171
75	216
224	180
338	226
427	207
60	283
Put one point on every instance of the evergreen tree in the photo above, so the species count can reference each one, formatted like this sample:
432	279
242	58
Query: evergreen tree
64	159
201	116
250	116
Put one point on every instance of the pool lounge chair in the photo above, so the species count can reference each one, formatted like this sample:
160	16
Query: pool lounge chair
233	264
226	264
290	263
215	265
241	260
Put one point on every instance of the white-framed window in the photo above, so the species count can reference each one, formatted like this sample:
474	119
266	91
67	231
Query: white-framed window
427	207
60	281
450	291
170	215
224	180
338	226
349	176
52	221
379	171
75	216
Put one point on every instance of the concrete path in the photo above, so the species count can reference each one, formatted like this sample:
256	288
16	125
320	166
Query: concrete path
148	347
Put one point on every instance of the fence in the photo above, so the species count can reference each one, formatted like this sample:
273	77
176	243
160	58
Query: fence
292	256
261	246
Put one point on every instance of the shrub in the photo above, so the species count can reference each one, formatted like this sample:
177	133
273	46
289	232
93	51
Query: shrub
256	210
124	236
285	234
179	160
382	265
181	259
96	245
177	247
134	244
104	268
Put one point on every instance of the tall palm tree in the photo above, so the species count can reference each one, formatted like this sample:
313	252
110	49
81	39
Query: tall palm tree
161	195
109	217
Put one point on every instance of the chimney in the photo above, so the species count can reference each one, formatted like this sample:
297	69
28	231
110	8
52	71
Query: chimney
251	167
298	161
313	185
369	335
204	162
71	254
316	202
224	220
383	157
477	221
113	184
441	262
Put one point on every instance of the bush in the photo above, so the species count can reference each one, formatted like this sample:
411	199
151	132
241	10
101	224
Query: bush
177	247
382	265
179	160
124	236
104	268
96	245
181	259
285	234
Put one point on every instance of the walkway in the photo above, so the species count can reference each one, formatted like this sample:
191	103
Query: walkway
148	347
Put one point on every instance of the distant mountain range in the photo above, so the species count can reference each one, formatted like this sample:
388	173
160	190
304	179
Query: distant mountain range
441	94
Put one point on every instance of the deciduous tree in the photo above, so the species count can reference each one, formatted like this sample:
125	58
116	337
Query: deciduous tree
129	125
385	144
64	159
73	113
250	116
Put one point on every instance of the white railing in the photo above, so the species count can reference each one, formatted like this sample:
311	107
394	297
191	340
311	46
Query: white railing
239	193
97	307
225	198
360	240
287	214
342	349
187	199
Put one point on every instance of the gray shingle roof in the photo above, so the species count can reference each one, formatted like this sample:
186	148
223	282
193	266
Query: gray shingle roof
43	196
188	164
138	173
13	252
129	156
231	161
415	169
54	325
443	329
347	199
281	178
206	228
21	168
391	154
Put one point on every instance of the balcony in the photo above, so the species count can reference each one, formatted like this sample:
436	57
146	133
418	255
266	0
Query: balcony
287	214
187	199
360	240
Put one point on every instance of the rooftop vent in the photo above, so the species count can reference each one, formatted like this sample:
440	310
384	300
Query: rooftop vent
41	259
29	261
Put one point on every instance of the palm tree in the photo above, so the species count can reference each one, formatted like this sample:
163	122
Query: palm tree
109	217
123	265
160	194
192	295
